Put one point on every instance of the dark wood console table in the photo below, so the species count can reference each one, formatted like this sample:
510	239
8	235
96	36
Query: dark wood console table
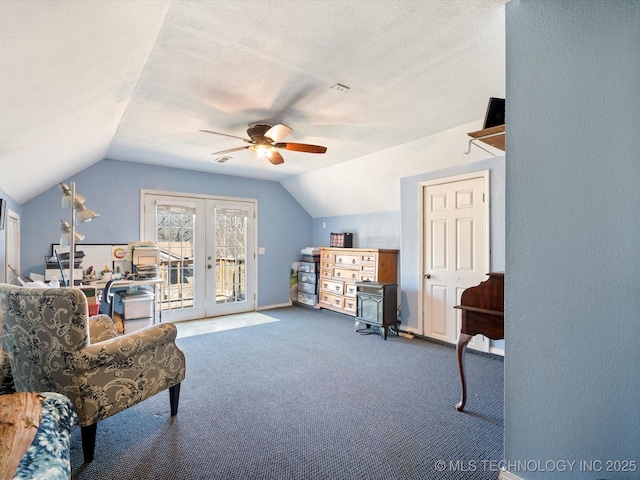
482	314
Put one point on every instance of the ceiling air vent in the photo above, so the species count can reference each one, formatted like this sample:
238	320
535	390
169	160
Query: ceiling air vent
340	88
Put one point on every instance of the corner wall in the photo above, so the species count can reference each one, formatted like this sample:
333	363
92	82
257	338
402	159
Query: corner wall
573	229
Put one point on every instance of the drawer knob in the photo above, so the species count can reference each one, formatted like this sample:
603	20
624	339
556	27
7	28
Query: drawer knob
353	261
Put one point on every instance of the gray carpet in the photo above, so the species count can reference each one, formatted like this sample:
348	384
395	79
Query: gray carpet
307	398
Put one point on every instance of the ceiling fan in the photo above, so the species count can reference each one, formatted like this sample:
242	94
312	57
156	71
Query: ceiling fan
265	140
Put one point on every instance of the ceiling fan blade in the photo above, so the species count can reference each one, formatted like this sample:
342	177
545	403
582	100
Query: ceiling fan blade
275	158
227	135
230	150
301	147
277	132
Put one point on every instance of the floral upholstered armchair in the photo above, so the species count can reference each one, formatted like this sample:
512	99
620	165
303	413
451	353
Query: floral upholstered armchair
51	345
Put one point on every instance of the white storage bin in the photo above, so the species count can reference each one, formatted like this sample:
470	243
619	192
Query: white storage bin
306	277
307	287
136	305
309	267
307	298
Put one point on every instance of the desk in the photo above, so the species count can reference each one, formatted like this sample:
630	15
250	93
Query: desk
107	286
482	313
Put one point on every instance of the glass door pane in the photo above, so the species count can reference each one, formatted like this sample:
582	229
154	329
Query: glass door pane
231	253
231	284
175	235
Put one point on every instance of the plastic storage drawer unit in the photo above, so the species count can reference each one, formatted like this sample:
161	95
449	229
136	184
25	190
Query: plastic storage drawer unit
136	305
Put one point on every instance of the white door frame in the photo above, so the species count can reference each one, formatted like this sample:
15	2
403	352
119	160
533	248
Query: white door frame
422	240
11	243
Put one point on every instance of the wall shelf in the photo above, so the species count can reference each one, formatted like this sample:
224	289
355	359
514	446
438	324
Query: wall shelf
494	136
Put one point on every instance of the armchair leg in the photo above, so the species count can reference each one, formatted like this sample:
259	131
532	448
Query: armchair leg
174	397
88	434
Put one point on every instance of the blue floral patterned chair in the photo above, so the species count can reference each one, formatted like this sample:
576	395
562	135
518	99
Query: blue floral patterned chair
51	345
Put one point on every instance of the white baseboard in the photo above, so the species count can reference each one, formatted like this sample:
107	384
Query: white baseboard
506	475
278	305
496	351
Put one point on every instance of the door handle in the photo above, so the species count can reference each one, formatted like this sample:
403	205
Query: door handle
427	275
209	266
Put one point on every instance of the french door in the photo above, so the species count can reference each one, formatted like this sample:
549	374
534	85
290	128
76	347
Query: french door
208	253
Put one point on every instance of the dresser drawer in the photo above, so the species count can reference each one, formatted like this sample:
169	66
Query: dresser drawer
326	273
347	259
328	257
330	299
332	286
350	290
368	277
350	305
368	269
369	258
347	274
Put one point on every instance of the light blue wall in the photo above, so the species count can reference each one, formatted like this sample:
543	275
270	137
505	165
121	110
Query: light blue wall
11	205
370	230
410	201
572	363
113	189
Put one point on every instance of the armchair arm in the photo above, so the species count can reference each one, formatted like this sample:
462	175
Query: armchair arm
122	349
112	375
101	328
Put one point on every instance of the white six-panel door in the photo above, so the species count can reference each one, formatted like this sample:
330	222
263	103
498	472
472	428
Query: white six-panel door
455	253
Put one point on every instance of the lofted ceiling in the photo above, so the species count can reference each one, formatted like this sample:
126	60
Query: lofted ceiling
137	80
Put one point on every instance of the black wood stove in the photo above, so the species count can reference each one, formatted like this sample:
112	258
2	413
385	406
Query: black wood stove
376	307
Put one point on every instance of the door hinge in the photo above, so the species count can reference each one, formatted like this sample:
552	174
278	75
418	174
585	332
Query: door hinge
483	198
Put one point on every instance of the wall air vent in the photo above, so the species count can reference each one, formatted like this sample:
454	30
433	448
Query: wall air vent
223	159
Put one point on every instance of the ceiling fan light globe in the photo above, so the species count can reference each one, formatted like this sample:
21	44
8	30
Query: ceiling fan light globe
263	151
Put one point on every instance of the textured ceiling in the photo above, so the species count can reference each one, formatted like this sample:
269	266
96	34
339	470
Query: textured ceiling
137	80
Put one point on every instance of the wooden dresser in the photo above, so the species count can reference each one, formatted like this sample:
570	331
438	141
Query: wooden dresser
341	268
